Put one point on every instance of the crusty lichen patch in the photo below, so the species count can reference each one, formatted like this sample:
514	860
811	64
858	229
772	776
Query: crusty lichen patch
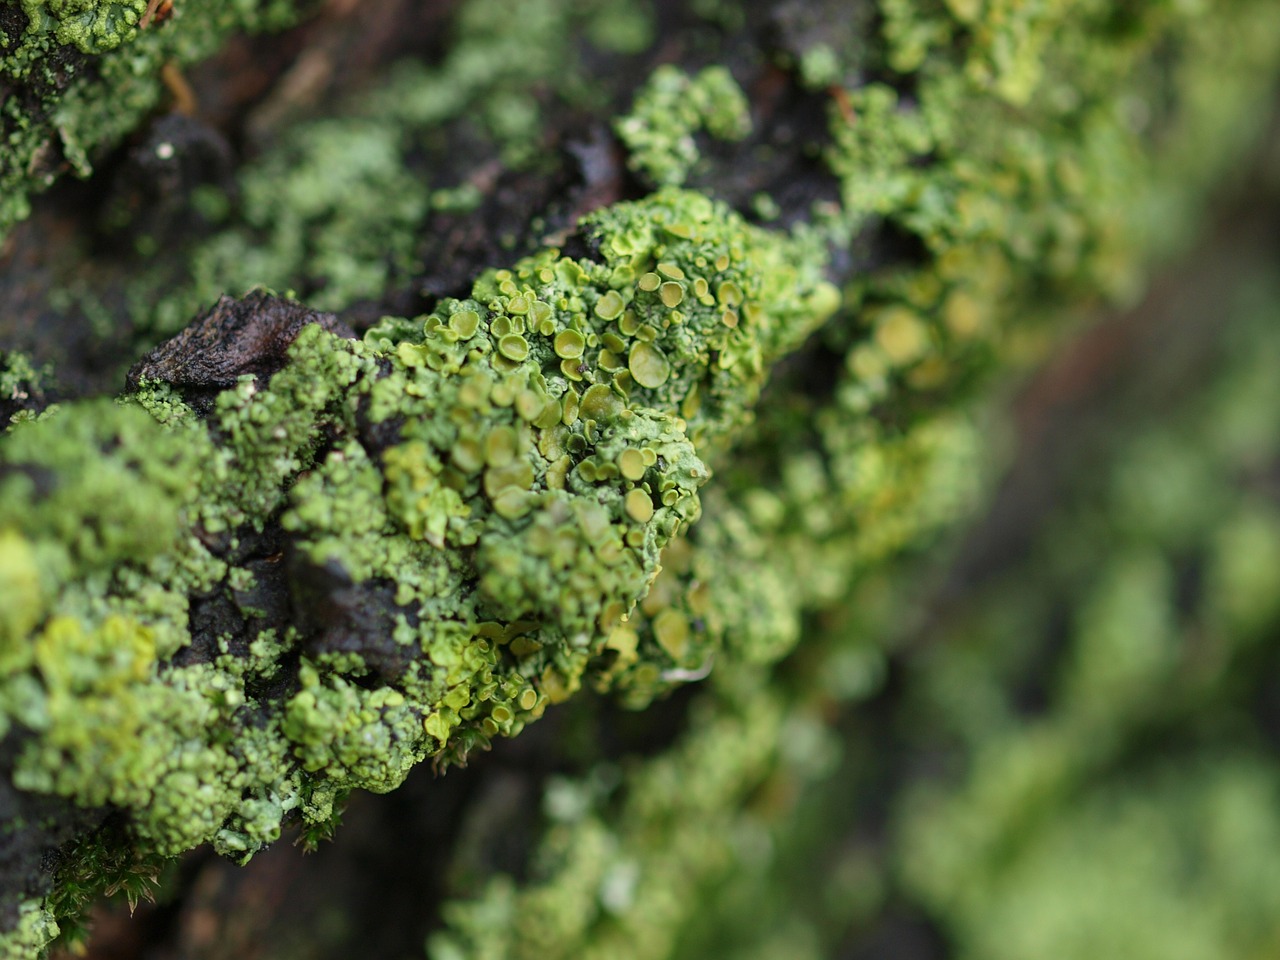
82	73
512	465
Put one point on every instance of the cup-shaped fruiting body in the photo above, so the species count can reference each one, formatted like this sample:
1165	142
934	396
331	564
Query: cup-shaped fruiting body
238	595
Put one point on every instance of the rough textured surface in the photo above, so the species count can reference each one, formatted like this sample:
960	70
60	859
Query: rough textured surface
78	75
236	338
292	565
392	549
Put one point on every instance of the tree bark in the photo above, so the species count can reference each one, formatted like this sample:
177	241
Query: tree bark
299	558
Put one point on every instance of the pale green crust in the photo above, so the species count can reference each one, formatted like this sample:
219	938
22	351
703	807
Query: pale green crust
553	435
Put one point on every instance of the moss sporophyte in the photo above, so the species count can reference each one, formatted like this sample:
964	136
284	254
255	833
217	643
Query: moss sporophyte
481	496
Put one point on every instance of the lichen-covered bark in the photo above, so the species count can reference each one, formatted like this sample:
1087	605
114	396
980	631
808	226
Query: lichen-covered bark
399	547
290	563
77	75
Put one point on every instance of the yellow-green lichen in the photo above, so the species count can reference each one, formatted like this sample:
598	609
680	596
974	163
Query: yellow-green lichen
670	109
83	72
515	516
515	476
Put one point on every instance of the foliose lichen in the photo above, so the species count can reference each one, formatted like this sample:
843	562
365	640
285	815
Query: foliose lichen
1002	218
670	109
511	466
493	503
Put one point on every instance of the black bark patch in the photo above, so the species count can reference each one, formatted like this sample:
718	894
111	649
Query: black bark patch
152	183
336	614
34	830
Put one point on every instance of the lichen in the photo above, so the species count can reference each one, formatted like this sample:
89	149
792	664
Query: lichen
518	503
82	73
669	110
494	504
25	389
334	208
833	480
1129	803
92	26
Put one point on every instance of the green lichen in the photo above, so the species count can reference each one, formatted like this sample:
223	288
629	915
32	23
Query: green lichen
1044	791
520	512
828	486
334	207
669	110
106	732
91	26
36	928
23	386
1134	810
361	738
84	72
521	470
